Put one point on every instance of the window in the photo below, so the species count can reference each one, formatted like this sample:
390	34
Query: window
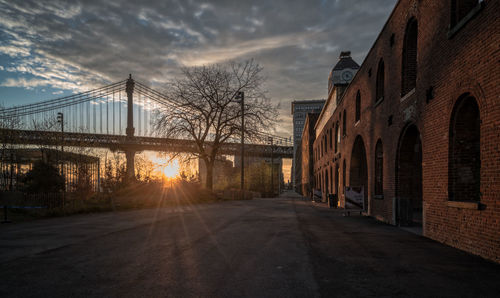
409	64
337	137
331	139
326	142
465	151
379	169
459	9
358	107
344	126
379	89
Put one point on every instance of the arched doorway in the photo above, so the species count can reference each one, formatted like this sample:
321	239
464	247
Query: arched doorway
358	172
409	178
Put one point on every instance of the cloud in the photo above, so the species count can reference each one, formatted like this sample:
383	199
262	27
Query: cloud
33	83
242	49
84	44
14	51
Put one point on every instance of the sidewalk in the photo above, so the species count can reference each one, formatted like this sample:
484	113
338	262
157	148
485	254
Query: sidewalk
357	256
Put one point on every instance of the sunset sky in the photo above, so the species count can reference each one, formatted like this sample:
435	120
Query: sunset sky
53	48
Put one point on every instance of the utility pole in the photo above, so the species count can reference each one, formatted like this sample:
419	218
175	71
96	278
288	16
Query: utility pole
241	96
271	140
60	119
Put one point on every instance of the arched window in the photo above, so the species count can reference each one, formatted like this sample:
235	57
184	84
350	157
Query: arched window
409	64
358	107
344	126
337	137
459	9
379	169
326	143
465	151
331	138
379	91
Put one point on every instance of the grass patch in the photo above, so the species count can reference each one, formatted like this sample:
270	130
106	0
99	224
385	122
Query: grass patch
133	196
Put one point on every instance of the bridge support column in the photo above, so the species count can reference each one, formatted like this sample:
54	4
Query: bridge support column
130	156
130	105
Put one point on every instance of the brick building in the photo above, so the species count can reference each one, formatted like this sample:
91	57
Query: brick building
306	155
300	108
419	125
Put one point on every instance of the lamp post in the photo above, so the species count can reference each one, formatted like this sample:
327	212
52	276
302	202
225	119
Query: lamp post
271	141
241	96
60	119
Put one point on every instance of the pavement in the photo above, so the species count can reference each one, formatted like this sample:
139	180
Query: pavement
282	247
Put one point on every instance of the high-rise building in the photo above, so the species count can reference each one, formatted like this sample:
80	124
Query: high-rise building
300	108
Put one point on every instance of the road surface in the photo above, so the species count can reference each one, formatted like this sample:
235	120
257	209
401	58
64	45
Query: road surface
283	247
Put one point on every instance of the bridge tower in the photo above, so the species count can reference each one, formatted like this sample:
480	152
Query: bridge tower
129	152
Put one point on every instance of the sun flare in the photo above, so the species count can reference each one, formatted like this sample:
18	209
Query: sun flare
170	170
166	168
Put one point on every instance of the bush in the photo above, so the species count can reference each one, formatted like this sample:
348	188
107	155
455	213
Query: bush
43	178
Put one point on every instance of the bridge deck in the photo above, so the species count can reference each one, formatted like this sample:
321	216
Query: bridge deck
119	142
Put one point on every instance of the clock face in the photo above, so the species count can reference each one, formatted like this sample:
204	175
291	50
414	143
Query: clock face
346	75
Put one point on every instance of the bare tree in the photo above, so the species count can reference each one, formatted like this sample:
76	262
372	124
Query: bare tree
205	108
7	148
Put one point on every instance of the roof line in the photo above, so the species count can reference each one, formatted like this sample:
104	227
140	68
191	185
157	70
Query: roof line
362	64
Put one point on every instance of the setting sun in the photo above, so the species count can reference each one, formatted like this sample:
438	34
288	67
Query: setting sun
165	167
170	170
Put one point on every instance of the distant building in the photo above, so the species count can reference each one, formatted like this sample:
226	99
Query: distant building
277	168
306	154
222	172
300	108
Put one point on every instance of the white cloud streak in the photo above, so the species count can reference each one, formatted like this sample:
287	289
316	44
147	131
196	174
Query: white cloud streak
80	45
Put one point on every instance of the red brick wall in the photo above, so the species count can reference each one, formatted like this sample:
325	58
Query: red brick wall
308	136
468	62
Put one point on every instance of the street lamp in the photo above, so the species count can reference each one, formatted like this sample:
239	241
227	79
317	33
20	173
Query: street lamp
271	141
60	119
241	96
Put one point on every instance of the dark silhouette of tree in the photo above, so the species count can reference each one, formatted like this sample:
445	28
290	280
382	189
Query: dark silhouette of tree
7	150
43	178
207	110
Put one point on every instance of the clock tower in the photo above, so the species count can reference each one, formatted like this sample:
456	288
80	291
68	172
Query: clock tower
342	73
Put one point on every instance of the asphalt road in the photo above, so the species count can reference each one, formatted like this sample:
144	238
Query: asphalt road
282	247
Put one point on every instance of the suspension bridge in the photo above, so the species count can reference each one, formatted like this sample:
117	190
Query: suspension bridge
118	116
